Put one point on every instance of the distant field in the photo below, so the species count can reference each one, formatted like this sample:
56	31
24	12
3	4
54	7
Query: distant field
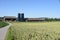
2	24
34	31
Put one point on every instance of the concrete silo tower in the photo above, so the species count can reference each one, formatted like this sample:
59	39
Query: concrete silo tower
21	17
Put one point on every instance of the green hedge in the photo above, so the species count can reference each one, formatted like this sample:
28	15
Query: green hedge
2	24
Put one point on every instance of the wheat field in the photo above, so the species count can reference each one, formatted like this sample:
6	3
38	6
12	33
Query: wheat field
34	31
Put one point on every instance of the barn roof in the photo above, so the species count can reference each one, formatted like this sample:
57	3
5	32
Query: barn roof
35	19
9	17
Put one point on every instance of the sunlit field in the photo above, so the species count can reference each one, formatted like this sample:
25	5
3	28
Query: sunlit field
34	31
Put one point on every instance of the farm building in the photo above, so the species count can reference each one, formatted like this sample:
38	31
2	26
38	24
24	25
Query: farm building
34	19
21	18
9	18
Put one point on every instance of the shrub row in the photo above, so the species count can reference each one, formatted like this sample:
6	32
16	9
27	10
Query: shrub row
2	24
52	19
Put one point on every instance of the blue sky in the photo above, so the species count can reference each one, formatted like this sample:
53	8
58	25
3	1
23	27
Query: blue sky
31	8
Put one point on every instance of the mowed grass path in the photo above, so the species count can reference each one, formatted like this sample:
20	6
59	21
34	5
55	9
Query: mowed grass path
34	31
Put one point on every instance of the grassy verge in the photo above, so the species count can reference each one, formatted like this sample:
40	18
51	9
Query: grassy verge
2	24
34	31
8	36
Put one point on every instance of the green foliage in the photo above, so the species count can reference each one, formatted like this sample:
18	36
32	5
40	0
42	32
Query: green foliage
34	31
2	24
52	19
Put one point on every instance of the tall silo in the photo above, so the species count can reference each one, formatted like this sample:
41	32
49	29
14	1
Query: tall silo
22	16
19	16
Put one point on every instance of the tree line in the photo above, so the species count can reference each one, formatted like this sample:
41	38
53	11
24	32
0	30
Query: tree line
52	19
